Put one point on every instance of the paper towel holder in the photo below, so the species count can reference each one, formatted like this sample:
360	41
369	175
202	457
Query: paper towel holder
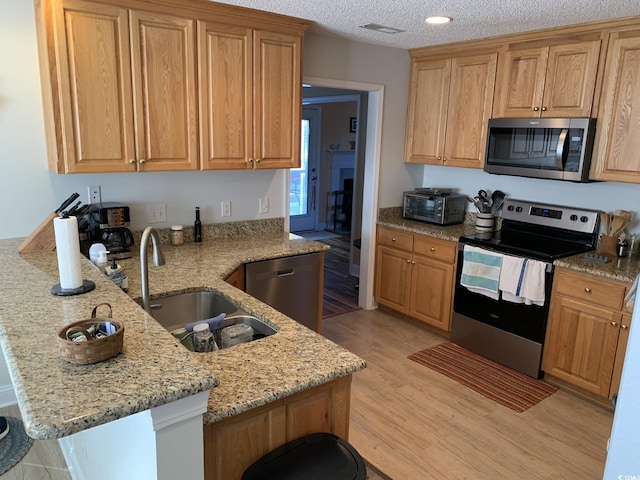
87	286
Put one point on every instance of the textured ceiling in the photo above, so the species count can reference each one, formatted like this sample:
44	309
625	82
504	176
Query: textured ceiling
472	18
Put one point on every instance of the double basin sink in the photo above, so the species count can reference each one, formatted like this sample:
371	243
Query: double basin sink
173	312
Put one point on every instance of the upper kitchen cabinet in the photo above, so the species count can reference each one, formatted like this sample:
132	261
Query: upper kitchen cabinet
121	93
449	105
250	99
119	88
617	141
547	81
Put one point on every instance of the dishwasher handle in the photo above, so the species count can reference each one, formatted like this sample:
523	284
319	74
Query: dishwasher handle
285	273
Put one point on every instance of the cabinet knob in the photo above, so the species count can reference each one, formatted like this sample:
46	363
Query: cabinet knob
544	109
432	249
408	261
535	109
623	326
438	158
132	161
444	159
613	324
258	160
587	289
393	239
413	262
142	161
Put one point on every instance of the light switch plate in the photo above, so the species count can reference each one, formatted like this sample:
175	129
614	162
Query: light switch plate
263	204
225	207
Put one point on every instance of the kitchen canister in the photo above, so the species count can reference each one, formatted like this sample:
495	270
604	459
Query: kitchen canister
485	221
177	235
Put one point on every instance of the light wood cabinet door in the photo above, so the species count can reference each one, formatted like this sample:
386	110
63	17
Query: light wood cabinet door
548	81
164	71
393	278
277	99
427	111
432	292
470	104
617	142
233	444
581	344
621	351
94	126
225	57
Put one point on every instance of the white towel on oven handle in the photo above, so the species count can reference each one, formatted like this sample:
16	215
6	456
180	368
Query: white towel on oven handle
523	280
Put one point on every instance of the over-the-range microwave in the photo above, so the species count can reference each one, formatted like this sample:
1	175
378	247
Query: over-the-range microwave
554	148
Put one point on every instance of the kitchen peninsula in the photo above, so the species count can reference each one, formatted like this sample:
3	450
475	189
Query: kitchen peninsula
155	373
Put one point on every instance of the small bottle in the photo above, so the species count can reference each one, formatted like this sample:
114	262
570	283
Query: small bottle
117	275
203	340
177	235
197	227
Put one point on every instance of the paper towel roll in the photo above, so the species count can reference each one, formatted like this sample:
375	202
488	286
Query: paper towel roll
68	249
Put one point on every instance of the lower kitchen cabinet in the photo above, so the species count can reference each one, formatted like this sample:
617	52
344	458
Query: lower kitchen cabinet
233	444
237	278
414	275
587	332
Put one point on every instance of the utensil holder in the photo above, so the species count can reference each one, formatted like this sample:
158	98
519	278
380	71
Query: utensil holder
608	246
485	221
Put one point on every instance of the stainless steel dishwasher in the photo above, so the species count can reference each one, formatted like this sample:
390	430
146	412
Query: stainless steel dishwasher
291	285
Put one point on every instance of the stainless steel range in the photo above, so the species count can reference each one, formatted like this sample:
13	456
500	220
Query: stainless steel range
503	280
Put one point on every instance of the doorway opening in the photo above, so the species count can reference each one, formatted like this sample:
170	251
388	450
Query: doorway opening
366	172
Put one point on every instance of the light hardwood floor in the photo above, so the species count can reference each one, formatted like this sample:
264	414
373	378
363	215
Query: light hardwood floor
413	423
43	461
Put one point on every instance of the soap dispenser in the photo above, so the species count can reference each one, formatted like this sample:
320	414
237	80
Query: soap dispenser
117	275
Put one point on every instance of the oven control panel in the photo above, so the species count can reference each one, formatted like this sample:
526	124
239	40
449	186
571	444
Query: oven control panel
568	218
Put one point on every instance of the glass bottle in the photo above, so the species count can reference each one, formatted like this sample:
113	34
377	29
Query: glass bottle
197	227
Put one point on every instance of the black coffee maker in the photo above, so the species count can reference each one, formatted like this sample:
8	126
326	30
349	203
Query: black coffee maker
109	224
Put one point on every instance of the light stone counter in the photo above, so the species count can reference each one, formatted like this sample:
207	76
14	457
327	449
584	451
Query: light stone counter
58	399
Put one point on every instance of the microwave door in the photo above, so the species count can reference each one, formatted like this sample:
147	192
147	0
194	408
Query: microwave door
561	149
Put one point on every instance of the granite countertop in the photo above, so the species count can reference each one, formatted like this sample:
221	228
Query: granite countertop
57	398
621	269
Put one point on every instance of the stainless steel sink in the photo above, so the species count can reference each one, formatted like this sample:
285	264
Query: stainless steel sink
173	312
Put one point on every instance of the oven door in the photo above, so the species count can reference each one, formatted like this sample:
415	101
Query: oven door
509	333
528	321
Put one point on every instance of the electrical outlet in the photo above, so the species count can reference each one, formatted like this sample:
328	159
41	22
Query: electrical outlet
94	194
263	204
225	208
157	213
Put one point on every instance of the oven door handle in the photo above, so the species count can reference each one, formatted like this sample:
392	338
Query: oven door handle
560	149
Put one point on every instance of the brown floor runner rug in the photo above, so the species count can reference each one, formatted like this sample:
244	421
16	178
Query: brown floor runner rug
490	379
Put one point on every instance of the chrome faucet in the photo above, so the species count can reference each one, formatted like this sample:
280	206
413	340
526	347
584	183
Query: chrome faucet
158	259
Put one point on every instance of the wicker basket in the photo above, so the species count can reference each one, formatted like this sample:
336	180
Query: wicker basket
92	350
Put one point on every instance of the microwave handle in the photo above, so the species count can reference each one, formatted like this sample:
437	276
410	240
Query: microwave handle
562	143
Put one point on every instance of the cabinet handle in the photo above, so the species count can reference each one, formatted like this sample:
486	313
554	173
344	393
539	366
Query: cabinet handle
613	324
623	326
535	109
544	109
142	161
132	161
587	289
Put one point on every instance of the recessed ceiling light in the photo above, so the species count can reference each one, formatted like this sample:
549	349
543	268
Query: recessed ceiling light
381	28
437	20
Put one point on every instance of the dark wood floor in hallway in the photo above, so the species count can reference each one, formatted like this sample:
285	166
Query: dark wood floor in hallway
416	424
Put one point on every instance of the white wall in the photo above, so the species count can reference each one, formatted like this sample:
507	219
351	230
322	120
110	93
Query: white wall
607	196
338	59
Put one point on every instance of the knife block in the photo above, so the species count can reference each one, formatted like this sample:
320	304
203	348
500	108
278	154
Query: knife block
608	246
42	239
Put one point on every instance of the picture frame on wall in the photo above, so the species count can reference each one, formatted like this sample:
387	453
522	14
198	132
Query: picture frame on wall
353	124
